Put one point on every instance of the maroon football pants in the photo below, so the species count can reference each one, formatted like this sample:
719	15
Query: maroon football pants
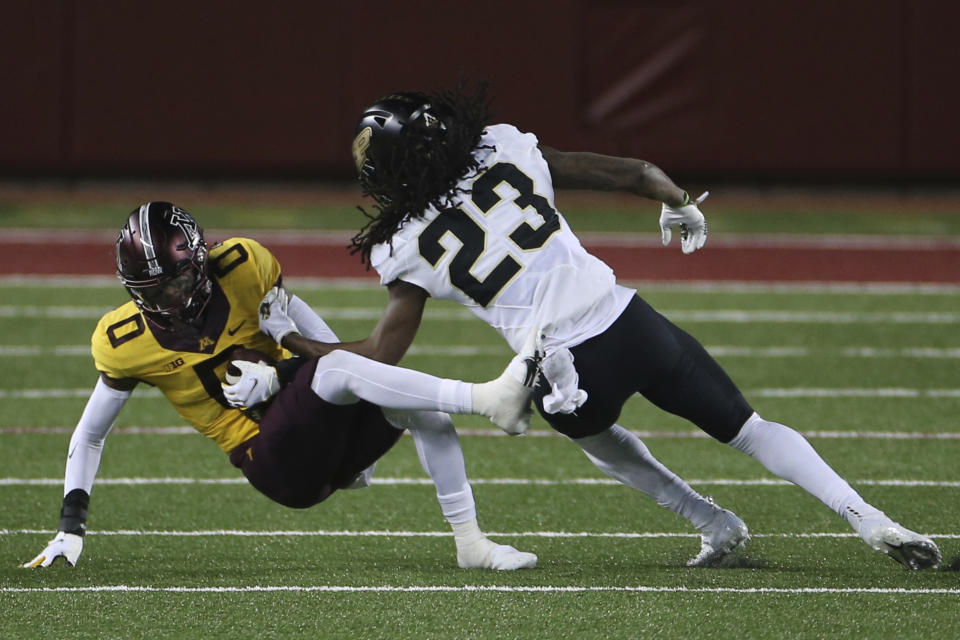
308	448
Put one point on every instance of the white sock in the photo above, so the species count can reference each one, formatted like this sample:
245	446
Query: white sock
442	458
787	454
468	533
624	457
344	378
458	507
438	448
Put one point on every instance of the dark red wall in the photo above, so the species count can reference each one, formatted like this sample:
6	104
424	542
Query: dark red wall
750	88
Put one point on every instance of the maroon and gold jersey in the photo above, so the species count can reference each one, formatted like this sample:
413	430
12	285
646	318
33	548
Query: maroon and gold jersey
188	366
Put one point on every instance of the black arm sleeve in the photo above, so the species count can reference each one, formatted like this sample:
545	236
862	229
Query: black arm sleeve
73	514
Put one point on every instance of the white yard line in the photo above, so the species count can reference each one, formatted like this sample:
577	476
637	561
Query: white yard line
895	392
789	392
725	316
308	237
486	589
462	350
48	394
738	316
33	350
256	533
452	351
534	433
699	286
530	482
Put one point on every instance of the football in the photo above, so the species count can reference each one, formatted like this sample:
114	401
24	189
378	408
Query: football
249	355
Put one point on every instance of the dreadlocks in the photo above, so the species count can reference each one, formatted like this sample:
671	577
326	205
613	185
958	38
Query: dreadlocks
423	167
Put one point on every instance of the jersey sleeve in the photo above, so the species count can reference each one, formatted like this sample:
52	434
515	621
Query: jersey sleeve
388	261
266	264
507	138
113	331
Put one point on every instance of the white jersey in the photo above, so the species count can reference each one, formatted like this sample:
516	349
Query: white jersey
506	253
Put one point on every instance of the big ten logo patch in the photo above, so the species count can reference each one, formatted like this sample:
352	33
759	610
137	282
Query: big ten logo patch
173	364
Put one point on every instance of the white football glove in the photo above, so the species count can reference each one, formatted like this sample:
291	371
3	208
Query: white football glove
274	320
693	226
256	383
66	545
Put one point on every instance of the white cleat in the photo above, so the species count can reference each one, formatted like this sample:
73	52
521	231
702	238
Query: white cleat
506	400
486	554
909	548
724	533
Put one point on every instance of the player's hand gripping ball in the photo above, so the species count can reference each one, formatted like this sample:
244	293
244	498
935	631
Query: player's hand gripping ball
246	355
235	385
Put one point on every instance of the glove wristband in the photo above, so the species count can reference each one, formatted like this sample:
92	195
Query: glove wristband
278	338
73	513
686	199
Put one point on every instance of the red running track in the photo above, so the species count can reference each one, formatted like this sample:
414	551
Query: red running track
745	258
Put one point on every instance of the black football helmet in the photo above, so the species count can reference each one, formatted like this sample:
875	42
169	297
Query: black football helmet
162	261
388	122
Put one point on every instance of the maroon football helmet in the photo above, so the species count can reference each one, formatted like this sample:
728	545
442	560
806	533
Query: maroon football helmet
162	261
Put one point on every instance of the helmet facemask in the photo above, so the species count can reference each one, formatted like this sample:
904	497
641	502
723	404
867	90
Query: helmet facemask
173	302
162	262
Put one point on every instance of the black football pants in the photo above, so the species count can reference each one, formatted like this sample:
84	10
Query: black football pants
643	352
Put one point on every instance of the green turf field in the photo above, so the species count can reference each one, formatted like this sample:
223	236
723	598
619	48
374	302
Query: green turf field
727	213
180	547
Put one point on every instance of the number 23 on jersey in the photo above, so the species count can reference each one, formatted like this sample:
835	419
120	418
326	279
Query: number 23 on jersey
473	237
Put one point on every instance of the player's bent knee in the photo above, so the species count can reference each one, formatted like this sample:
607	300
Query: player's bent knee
337	359
333	383
295	495
302	501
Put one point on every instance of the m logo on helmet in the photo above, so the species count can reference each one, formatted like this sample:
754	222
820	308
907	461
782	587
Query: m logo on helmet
360	145
185	222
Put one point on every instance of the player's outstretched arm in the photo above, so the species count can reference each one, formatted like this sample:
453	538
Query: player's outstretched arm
584	170
83	460
388	342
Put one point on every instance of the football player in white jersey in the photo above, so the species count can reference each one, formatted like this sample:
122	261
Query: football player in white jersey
192	311
465	211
